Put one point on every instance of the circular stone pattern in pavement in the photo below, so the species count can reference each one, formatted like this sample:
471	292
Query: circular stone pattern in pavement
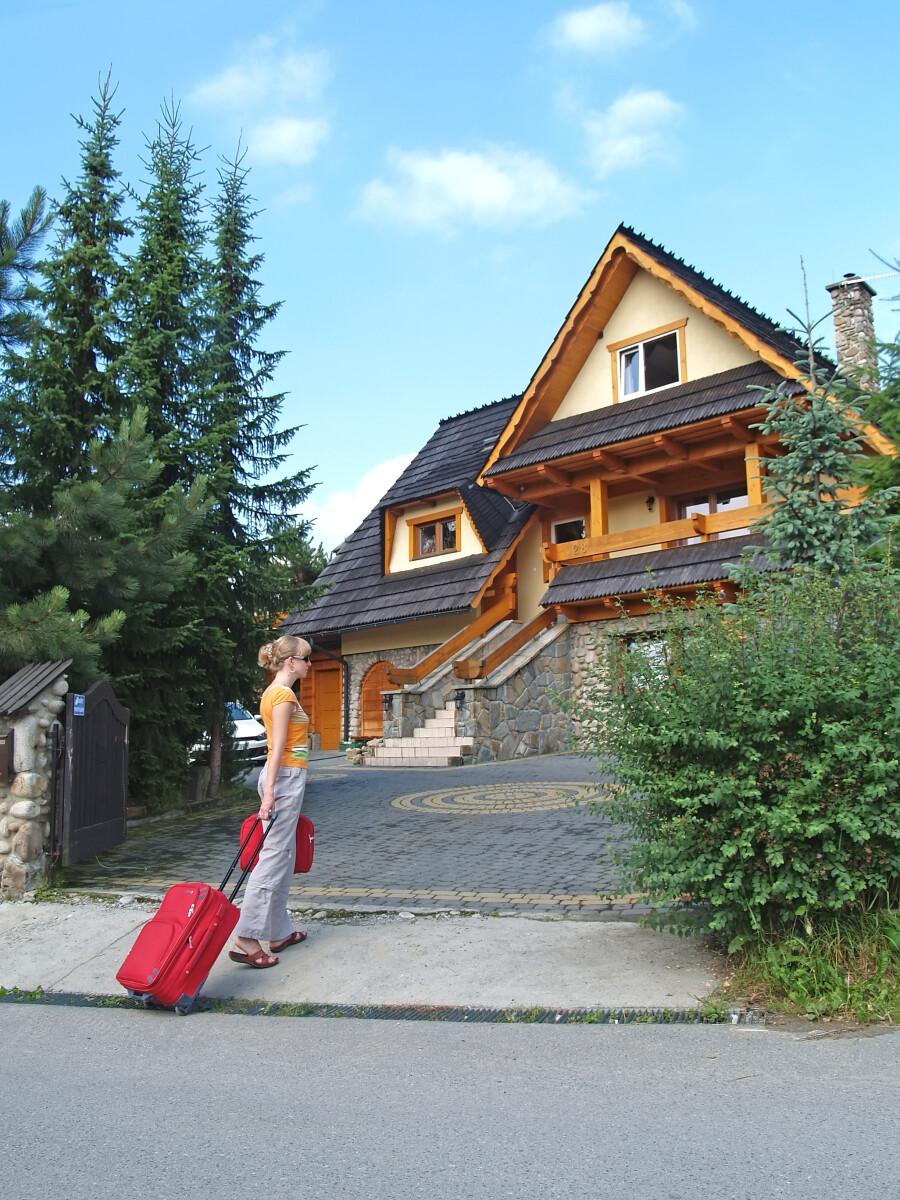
498	799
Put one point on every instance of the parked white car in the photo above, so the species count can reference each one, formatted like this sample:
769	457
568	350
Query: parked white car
249	736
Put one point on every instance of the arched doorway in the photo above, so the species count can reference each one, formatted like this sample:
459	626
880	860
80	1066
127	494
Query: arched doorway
371	708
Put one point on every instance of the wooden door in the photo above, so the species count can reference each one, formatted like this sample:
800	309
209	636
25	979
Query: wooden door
371	715
327	704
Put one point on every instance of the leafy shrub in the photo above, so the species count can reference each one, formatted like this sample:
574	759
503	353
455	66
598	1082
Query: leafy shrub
755	750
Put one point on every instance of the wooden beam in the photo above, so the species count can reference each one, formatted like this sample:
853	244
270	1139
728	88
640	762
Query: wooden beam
648	535
612	462
755	472
555	475
472	668
599	522
669	446
390	528
738	429
493	616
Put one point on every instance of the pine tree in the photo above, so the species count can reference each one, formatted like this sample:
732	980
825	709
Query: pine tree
70	579
255	558
20	239
63	391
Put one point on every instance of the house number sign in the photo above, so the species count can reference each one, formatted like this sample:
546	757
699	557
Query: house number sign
77	705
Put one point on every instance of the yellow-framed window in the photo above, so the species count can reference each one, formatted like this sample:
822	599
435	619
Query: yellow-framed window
435	534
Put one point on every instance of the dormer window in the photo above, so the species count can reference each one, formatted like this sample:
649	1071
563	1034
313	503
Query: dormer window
648	362
438	534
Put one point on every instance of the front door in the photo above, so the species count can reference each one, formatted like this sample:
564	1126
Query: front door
327	705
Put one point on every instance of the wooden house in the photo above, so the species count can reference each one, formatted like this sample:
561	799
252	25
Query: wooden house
471	596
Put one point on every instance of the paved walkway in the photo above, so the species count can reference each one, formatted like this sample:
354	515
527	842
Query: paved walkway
498	837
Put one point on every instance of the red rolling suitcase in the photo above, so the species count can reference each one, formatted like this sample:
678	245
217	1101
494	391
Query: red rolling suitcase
306	843
175	951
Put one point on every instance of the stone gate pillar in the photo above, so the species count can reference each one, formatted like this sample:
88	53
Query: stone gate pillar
25	802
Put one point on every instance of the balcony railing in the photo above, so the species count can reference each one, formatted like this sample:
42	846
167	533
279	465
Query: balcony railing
699	525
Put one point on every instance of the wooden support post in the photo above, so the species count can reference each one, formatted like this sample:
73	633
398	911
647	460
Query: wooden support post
599	510
755	471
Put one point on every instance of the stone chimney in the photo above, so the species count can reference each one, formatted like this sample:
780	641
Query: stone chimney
854	330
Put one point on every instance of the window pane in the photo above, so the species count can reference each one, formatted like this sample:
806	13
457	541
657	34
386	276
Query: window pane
631	371
727	501
661	362
427	539
569	531
448	534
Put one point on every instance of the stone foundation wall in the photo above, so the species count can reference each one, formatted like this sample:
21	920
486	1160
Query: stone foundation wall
25	803
523	716
360	664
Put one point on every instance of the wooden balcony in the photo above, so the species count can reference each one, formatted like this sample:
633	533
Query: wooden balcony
591	548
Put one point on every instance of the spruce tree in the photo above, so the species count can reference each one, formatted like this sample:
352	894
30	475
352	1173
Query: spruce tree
63	391
821	438
256	559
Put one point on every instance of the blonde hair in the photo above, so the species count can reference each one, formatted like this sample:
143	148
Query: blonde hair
273	654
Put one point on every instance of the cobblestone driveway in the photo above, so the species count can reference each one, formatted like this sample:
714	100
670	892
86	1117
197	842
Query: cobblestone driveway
495	837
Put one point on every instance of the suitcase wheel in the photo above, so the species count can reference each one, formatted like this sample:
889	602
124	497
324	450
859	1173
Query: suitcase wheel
183	1007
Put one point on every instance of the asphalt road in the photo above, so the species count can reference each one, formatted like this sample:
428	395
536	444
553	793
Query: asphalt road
104	1103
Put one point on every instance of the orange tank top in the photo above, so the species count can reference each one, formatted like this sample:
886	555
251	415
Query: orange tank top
296	748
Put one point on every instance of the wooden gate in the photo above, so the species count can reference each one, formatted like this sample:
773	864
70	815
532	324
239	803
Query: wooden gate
93	792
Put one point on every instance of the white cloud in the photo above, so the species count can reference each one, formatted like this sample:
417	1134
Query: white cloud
338	513
488	189
632	131
292	141
604	29
683	13
263	76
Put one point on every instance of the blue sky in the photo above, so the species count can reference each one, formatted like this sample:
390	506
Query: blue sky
438	180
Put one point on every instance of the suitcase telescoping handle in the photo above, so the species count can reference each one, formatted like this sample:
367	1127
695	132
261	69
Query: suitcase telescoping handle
237	858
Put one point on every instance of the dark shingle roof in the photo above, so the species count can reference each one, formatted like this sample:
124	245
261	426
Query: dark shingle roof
361	595
679	567
697	400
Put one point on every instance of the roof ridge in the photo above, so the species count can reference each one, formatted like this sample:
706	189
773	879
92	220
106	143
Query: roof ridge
630	231
480	408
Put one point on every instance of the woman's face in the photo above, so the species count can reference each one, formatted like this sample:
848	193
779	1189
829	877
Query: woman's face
301	666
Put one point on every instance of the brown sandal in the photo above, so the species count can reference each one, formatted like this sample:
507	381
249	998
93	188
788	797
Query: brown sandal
255	958
293	939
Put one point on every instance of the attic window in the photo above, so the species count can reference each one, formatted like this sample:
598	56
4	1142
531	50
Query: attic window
653	360
436	534
649	365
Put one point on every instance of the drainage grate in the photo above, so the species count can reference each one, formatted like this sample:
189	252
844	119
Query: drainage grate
411	1012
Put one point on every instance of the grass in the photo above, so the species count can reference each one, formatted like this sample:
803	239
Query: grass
846	967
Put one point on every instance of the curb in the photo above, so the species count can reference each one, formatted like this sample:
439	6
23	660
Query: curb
400	1012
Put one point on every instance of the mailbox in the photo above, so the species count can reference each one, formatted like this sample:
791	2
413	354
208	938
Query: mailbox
7	771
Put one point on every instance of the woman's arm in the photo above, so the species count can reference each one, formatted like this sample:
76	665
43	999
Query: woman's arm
281	716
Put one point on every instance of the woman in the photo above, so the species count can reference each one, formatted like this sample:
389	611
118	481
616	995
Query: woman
282	781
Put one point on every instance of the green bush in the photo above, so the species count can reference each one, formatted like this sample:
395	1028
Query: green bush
755	750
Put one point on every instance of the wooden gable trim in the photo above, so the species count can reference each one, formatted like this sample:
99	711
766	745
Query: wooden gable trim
472	523
586	320
505	559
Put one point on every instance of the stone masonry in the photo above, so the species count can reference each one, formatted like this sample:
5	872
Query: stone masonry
25	803
854	329
360	664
